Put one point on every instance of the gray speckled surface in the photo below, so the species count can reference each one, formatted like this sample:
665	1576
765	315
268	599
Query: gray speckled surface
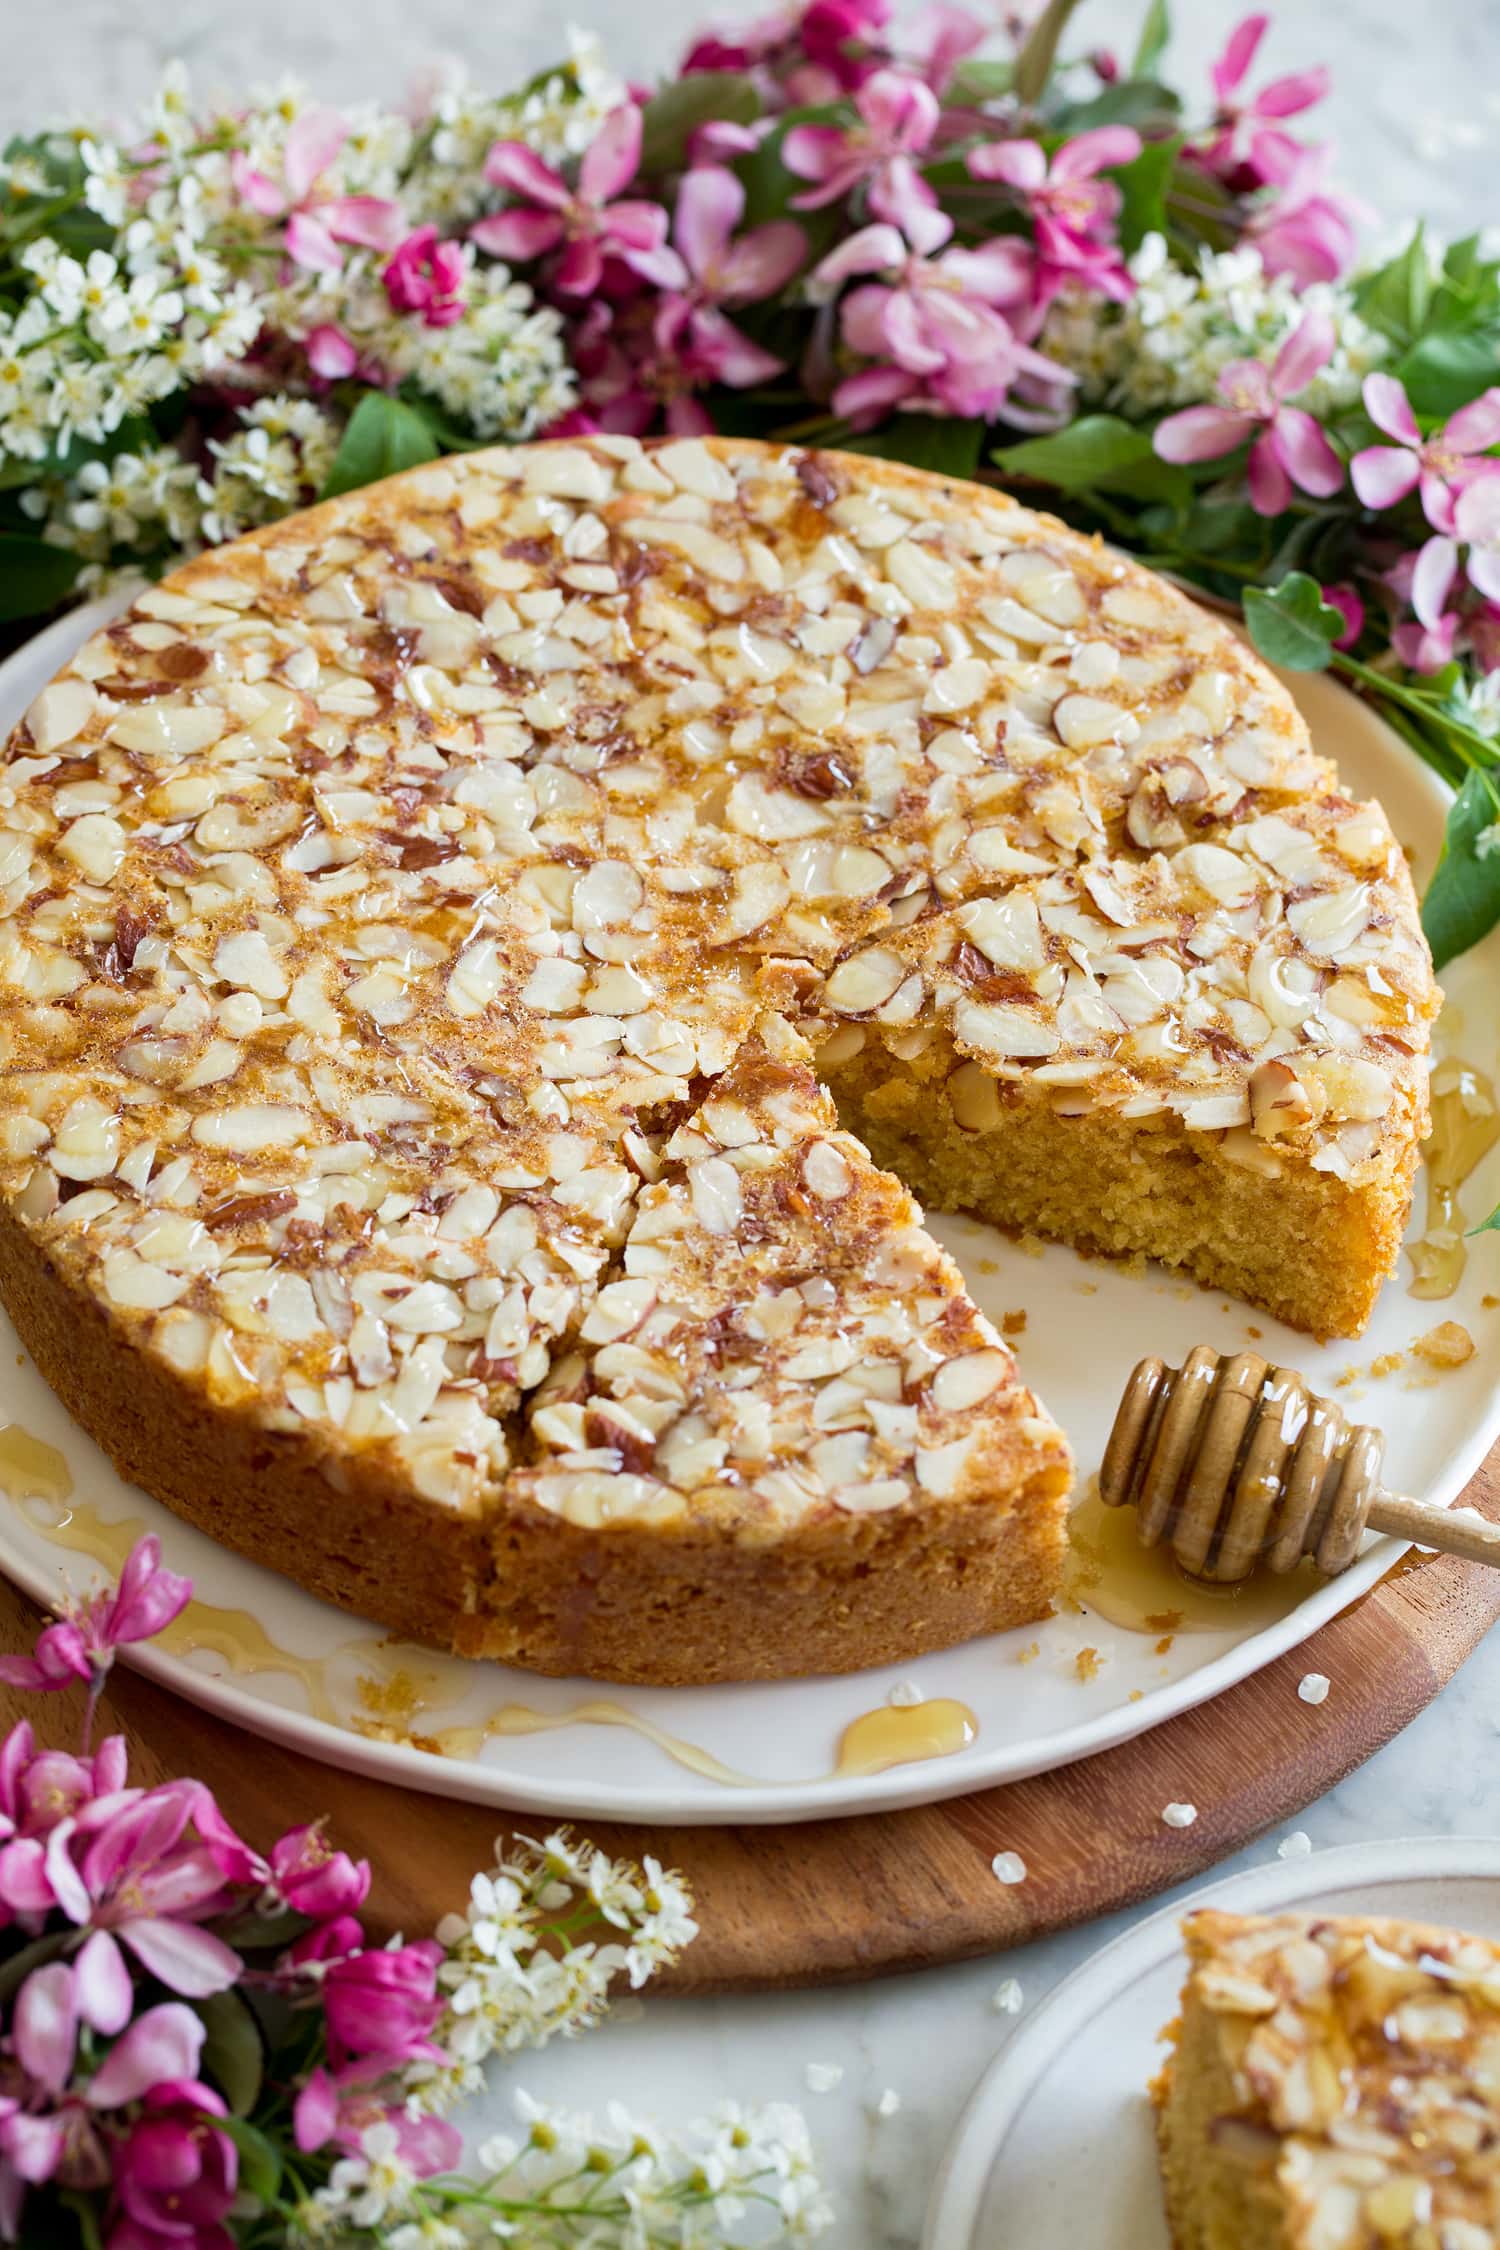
1417	112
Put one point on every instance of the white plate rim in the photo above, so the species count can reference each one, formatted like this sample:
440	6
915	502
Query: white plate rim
774	1801
991	2110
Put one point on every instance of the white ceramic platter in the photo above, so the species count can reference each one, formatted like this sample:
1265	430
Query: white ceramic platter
262	1653
1056	2146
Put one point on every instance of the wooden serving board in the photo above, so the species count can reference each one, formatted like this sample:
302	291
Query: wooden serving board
840	1900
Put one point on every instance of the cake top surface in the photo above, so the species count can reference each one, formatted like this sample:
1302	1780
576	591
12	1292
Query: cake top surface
1367	2056
382	894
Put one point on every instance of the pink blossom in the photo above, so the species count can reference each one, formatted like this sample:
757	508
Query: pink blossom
383	2004
427	276
39	1788
898	116
312	1879
936	39
132	1867
1304	228
1288	446
325	2112
175	2173
1247	144
1345	599
692	342
1442	464
1476	519
1427	578
81	1645
805	53
936	328
1073	211
333	1940
586	227
316	223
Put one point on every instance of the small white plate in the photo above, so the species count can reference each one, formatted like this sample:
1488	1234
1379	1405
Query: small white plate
258	1651
1057	2147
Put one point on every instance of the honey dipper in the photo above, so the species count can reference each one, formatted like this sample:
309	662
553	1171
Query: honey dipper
1233	1462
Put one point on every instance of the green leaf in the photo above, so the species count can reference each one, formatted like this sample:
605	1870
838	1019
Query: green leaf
1156	30
946	446
703	97
260	2159
1039	52
234	2051
1444	371
1395	297
1143	191
1142	102
1291	624
1491	1225
1097	453
1463	899
33	576
383	436
980	78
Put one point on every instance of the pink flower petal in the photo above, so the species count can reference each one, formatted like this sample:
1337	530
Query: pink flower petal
610	161
710	204
1475	427
1437	499
163	2044
999	272
517	236
101	1984
900	109
865	397
580	268
1228	73
1308	349
1477	511
184	1958
67	1884
45	2025
311	245
1382	476
330	353
761	262
1019	164
1299	90
1201	433
1432	579
900	195
1303	450
1270	486
520	171
369	220
728	355
313	141
254	188
813	152
1389	409
34	2146
877	249
1098	151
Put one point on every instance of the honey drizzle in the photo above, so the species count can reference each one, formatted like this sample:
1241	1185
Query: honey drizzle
872	1743
1465	1127
1144	1589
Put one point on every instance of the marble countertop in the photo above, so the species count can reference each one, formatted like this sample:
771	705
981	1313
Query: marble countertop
1416	118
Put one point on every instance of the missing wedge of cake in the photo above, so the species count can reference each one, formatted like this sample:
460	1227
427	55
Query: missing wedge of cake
432	928
1334	2085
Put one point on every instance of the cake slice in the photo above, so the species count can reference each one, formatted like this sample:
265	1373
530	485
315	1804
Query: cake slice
785	1424
1334	2084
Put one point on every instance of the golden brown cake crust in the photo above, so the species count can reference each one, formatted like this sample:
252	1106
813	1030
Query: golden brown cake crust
420	927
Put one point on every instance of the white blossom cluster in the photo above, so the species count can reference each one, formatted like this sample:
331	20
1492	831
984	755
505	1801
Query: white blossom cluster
1167	345
534	1954
741	2176
194	288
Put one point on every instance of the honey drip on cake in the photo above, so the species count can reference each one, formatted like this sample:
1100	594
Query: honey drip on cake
1144	1589
1465	1127
905	1735
520	1718
30	1469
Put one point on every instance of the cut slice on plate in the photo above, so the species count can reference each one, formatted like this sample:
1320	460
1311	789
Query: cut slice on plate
785	1424
1334	2085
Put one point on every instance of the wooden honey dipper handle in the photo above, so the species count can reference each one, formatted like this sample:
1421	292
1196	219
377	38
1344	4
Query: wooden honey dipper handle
1233	1462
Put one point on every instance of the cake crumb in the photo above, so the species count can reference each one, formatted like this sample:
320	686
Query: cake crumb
1348	1375
823	2077
1164	1646
1489	1303
1088	1663
1313	1687
1008	1998
1008	1867
986	1265
889	2103
1088	1288
1295	1846
1030	1653
1387	1363
1168	1621
1030	1245
1013	1324
1179	1815
1447	1345
1252	1331
1136	1695
905	1694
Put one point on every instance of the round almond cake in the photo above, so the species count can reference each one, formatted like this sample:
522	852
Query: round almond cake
486	962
